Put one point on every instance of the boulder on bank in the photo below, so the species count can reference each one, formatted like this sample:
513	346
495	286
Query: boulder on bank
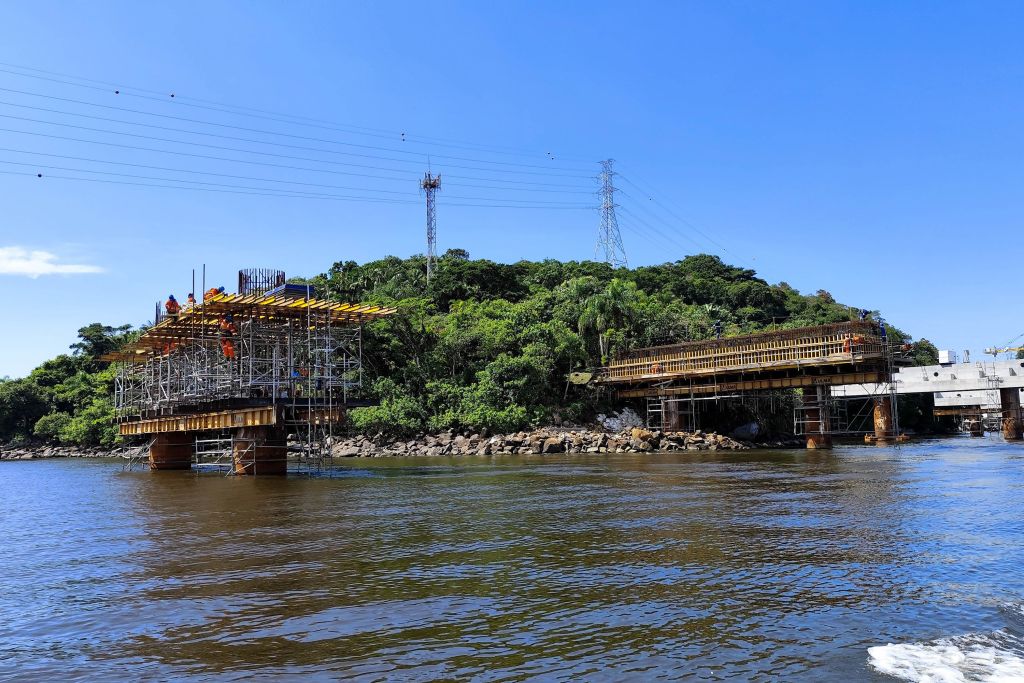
45	451
544	441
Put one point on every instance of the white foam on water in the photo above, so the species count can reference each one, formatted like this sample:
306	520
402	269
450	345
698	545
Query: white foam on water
974	657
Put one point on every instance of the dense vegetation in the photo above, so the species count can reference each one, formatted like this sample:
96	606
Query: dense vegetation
489	345
67	399
484	345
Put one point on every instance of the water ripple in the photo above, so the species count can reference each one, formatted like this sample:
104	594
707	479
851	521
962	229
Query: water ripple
864	564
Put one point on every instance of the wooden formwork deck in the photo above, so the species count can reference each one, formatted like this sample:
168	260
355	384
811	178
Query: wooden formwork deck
840	347
262	416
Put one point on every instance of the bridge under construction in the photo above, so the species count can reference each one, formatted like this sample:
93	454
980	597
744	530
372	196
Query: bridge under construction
798	366
244	382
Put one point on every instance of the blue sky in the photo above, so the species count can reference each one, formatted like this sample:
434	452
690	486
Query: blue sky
870	149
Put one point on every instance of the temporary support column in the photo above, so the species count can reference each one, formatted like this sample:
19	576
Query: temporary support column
670	415
260	450
1009	398
885	433
819	429
172	451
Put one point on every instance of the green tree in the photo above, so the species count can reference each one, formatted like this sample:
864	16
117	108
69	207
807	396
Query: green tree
22	403
97	339
50	426
609	310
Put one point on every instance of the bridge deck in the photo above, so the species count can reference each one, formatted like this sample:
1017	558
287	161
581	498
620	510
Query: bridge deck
837	349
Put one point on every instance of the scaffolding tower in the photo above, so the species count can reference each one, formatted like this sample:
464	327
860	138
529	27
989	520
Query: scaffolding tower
254	380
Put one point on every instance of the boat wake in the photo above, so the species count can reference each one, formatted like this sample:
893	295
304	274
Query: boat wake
996	657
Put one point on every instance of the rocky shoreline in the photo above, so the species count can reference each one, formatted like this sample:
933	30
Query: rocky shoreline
42	451
543	441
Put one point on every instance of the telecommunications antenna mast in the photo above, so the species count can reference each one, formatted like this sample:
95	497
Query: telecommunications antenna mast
430	185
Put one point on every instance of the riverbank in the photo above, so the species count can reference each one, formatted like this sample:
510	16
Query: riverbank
545	441
43	451
542	441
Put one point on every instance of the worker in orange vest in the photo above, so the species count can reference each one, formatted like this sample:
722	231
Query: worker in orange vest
172	306
228	330
212	292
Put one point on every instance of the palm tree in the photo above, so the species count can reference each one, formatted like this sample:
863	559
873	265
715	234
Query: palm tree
607	310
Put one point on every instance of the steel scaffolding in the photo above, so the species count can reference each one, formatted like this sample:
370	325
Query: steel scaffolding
271	355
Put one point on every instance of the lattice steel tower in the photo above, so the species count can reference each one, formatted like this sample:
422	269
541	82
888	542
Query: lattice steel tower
609	239
430	185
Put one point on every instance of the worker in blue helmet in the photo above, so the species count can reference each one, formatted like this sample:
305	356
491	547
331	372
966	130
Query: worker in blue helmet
172	306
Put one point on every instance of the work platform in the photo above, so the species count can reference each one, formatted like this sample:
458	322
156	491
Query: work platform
837	354
809	359
257	374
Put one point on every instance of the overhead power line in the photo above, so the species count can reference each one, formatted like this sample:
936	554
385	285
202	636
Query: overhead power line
652	198
251	162
179	99
201	182
272	193
419	155
268	180
241	139
636	220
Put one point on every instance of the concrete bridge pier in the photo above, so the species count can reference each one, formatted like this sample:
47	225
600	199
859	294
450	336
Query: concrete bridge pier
172	451
1013	428
818	425
260	450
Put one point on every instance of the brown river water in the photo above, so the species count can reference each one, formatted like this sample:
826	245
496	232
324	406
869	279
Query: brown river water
864	564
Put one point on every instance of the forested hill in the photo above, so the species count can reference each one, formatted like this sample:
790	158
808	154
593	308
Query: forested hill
483	345
489	345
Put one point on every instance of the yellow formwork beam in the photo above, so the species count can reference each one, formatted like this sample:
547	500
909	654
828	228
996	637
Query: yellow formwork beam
198	422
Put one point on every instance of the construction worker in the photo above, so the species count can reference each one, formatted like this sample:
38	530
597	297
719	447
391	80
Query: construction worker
191	301
228	330
212	292
172	306
718	329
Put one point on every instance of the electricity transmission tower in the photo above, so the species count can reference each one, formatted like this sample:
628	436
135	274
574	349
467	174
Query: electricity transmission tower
430	185
609	239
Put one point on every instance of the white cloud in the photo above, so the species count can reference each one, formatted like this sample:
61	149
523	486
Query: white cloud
21	261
